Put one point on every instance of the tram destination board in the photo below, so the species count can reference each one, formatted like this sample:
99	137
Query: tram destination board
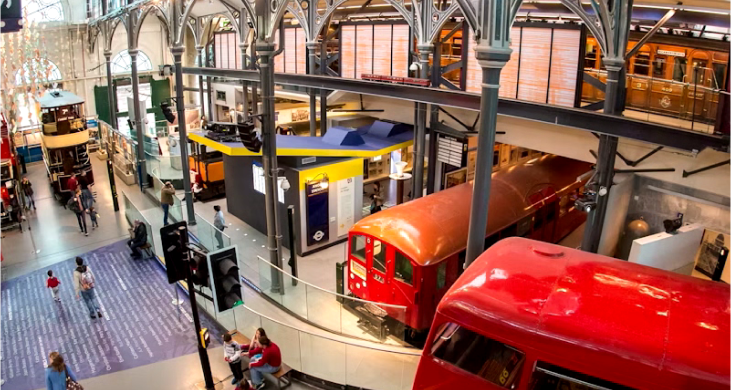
452	151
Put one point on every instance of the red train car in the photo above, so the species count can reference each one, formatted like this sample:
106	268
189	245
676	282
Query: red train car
531	315
409	255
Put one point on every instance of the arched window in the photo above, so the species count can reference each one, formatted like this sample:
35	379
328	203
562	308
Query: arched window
34	71
122	62
38	71
43	10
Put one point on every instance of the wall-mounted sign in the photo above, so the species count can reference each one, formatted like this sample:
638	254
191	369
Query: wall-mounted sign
318	213
11	15
346	205
671	53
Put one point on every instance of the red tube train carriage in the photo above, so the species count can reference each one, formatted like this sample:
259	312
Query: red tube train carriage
409	255
531	315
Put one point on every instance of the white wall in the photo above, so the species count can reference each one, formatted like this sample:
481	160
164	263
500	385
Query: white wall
616	214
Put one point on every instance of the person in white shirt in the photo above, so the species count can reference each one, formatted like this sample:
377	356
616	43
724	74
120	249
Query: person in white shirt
84	283
219	222
232	356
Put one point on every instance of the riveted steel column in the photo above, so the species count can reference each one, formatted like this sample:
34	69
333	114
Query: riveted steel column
269	159
208	86
182	131
201	92
323	92
139	121
312	64
255	85
606	157
417	188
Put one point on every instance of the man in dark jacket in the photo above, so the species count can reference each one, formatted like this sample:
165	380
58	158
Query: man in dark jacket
84	185
138	240
76	204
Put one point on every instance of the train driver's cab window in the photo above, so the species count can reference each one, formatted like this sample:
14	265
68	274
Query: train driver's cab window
379	256
642	64
491	360
658	68
403	271
358	247
549	377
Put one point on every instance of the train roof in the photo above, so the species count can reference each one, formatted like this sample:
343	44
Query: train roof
634	319
434	227
53	99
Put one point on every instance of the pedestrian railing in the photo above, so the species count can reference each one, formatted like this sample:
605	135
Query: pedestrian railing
208	236
132	213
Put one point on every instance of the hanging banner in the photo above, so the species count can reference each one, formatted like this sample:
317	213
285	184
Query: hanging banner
11	11
346	206
318	225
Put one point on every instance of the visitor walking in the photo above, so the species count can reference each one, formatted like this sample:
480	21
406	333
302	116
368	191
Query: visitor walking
219	222
85	283
267	359
84	185
27	188
167	200
76	203
59	376
52	283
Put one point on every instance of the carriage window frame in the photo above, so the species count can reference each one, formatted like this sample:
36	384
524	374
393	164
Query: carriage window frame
679	68
379	259
659	66
643	64
354	239
491	351
399	259
544	370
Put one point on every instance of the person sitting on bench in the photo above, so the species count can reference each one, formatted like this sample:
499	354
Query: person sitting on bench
264	359
138	240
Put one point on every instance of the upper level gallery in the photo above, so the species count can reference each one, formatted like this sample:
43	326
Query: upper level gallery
676	65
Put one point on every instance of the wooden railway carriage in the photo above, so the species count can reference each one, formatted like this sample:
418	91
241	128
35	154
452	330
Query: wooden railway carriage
668	79
530	315
411	254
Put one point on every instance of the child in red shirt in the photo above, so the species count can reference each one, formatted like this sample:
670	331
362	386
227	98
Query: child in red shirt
52	282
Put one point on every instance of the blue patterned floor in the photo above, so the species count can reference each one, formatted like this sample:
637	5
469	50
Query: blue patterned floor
140	324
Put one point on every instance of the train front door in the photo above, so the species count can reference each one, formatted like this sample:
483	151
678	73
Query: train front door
378	284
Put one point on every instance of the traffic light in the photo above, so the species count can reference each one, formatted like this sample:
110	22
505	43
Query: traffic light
249	136
225	280
174	245
200	269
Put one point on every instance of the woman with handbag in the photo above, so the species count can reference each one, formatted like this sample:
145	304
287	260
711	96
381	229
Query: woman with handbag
59	376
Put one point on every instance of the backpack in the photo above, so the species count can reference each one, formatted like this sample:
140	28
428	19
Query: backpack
87	279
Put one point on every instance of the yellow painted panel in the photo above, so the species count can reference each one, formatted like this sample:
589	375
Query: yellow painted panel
335	172
66	140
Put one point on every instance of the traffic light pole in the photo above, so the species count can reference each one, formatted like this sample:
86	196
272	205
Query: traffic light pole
202	353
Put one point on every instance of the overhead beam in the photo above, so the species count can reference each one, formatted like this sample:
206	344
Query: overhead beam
650	33
563	116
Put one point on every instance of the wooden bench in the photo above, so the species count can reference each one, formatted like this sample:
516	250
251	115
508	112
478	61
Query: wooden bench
281	377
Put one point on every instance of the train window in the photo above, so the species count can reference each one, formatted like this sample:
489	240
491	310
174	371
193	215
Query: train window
489	359
538	221
358	247
441	275
719	70
549	377
679	64
403	270
550	212
379	256
524	227
658	67
491	240
496	157
642	64
563	205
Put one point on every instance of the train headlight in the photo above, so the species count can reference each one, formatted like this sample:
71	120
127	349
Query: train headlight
364	284
357	285
351	276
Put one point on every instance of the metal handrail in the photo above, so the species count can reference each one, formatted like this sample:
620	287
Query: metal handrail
328	291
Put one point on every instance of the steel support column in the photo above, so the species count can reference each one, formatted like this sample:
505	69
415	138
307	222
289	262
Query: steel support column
113	119
244	83
139	121
312	64
269	159
201	92
605	162
417	188
255	85
209	87
182	131
323	92
110	90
